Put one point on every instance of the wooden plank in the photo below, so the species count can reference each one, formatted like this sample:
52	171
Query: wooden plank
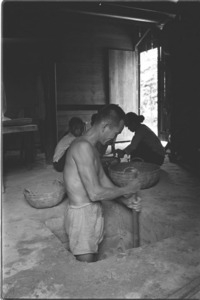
51	117
81	81
121	79
122	83
66	107
17	122
19	129
119	142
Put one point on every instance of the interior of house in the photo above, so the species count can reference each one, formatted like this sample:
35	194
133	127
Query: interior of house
68	59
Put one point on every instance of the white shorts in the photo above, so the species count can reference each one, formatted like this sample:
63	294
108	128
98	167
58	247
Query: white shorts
84	225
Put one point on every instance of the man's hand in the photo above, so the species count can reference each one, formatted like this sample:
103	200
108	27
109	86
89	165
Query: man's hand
134	202
120	153
132	188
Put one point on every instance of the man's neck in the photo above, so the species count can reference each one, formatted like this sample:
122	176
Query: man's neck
92	135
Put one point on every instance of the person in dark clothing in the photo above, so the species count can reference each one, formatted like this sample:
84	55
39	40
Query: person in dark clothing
76	129
145	144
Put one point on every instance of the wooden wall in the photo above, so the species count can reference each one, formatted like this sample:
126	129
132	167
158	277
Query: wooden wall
183	60
70	53
19	75
82	66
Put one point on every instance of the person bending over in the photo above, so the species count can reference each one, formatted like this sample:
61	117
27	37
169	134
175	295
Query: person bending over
87	185
76	129
145	143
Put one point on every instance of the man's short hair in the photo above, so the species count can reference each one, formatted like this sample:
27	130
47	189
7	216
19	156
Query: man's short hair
111	112
75	123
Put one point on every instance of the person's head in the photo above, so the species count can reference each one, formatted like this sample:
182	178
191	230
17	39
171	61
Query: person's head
76	126
133	121
110	122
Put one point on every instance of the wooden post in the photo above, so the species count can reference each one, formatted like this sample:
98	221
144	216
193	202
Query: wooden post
50	121
136	233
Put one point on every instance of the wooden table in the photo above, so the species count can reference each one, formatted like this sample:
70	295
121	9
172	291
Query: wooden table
26	133
28	150
120	142
19	128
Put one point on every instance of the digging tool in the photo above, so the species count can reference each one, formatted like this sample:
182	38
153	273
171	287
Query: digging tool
136	235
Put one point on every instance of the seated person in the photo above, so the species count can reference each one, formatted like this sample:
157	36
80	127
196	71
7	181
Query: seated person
145	143
76	129
102	148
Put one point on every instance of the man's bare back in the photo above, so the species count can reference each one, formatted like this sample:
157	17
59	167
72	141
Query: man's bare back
75	189
85	179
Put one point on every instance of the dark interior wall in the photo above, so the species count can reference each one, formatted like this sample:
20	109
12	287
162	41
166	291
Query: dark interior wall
74	47
82	75
82	66
20	71
80	53
183	35
29	85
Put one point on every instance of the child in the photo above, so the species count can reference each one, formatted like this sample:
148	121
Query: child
76	129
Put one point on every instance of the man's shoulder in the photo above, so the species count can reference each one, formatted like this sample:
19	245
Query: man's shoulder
81	143
81	150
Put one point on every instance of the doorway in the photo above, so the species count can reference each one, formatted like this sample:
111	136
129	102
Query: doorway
148	87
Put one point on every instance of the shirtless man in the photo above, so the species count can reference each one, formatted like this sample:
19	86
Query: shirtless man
87	184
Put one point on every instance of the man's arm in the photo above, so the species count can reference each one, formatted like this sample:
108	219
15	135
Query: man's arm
133	201
85	160
104	179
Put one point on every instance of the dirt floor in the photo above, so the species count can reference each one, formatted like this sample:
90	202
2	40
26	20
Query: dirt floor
37	264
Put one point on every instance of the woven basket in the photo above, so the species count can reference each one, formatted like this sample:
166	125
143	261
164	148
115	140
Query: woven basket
123	173
109	160
46	195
